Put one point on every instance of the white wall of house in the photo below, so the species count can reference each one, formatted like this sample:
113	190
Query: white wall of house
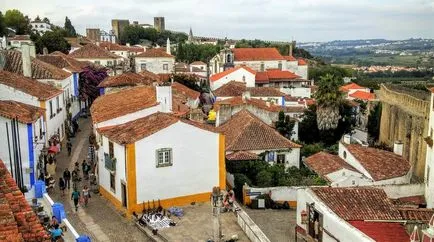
202	67
292	157
129	117
276	100
303	92
264	115
102	61
195	166
348	178
56	122
155	65
238	75
18	43
302	71
256	65
429	162
332	223
9	93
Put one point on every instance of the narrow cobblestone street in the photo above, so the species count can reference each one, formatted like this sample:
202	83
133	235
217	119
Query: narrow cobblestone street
99	220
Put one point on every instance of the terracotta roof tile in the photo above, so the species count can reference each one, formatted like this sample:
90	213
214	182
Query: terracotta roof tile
234	88
165	77
242	155
91	51
126	79
382	231
138	129
289	58
274	75
220	75
239	101
40	69
18	221
417	214
293	109
256	54
150	75
181	89
349	86
245	132
23	112
380	164
124	102
324	163
117	47
155	53
366	96
30	86
301	62
358	203
415	200
265	92
20	37
61	61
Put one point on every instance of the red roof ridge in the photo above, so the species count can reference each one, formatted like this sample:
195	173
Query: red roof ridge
155	53
220	75
90	51
24	113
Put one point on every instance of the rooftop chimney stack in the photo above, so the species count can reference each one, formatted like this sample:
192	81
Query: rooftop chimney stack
32	50
347	139
290	49
164	97
168	47
246	95
25	57
45	51
398	147
128	44
97	43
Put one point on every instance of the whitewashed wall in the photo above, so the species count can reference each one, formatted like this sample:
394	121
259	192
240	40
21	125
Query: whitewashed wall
256	65
129	117
8	93
429	162
235	76
155	65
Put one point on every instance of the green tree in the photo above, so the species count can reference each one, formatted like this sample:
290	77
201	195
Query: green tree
46	20
3	31
16	20
310	149
316	72
285	125
70	30
132	34
329	98
264	179
374	120
192	52
53	41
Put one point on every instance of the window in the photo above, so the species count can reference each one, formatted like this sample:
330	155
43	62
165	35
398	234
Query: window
343	173
262	67
62	129
215	66
229	58
143	66
51	108
164	157
58	104
353	182
165	67
112	181
109	63
111	150
40	128
97	62
244	78
279	66
427	176
281	159
345	154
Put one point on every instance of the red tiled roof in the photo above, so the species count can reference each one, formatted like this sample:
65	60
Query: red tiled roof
301	62
138	129
324	163
289	58
20	37
61	60
18	221
220	75
150	75
234	88
256	54
242	155
416	200
30	86
126	79
358	203
417	214
380	164
40	69
349	86
155	53
198	63
181	89
121	103
91	51
293	109
164	77
239	101
382	231
24	113
363	95
244	131
272	75
117	47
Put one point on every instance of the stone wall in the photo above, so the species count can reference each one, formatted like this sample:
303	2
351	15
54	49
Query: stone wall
404	117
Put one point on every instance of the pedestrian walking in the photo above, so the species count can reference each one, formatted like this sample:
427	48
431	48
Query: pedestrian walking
69	146
62	186
86	195
56	233
67	178
86	170
75	196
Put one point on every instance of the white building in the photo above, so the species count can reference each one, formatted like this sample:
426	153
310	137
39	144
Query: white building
241	74
40	27
126	51
200	65
347	214
357	165
246	132
429	164
18	40
22	134
140	161
354	91
155	60
107	36
187	96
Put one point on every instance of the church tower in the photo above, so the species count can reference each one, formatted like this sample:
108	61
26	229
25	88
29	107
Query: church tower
190	37
227	56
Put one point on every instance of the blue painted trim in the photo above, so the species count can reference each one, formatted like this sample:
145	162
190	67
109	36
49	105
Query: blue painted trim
77	115
101	91
283	101
75	76
31	153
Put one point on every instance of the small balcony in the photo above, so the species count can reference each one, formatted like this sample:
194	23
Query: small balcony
110	162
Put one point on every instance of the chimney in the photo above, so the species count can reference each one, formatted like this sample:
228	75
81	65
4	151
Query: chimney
25	56
347	139
224	113
398	147
4	43
246	95
164	97
32	50
97	43
128	44
45	51
168	46
290	49
267	103
364	144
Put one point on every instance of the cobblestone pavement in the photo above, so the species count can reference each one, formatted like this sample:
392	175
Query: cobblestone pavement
278	225
99	220
197	225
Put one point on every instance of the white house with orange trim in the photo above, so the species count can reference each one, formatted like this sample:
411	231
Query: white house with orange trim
150	159
242	74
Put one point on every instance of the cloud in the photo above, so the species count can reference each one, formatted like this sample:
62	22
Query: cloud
304	20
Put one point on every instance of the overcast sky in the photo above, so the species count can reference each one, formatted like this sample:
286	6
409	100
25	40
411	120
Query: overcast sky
302	20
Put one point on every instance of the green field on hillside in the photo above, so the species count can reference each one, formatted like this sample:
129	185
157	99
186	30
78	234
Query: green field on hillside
394	60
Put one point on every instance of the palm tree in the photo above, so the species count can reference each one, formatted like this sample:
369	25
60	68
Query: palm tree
329	99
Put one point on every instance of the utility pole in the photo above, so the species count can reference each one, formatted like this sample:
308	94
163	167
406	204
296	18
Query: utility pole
217	198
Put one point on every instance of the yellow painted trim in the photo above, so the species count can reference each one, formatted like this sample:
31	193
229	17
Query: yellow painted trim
176	201
222	162
131	177
107	195
43	105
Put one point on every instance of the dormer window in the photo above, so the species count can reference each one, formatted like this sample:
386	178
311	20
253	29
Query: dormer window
244	79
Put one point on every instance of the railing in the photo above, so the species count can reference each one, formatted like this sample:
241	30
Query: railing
110	163
249	227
